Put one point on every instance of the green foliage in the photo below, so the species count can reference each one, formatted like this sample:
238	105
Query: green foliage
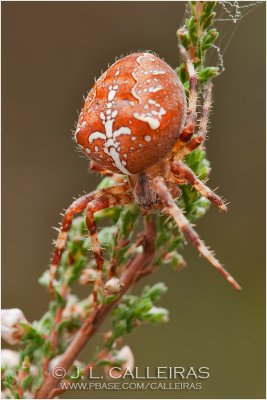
133	310
197	36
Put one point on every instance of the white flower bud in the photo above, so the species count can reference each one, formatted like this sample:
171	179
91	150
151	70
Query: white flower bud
11	330
9	358
162	313
88	275
73	309
54	362
113	286
6	394
126	355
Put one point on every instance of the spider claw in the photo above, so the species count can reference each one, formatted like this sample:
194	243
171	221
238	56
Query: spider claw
233	282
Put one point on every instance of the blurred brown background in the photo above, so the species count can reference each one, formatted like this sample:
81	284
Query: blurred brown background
51	53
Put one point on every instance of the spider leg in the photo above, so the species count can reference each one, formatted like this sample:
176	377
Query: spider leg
76	207
183	172
192	100
185	226
191	119
94	167
103	202
200	137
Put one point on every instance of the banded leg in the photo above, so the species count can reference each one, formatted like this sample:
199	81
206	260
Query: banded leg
103	202
191	118
192	100
94	167
173	210
184	173
76	207
200	137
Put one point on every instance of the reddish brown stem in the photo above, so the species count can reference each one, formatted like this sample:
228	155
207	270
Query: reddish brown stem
131	273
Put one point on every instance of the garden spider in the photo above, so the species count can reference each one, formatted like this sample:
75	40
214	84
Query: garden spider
135	122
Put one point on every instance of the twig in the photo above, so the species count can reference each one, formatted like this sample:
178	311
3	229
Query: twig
132	272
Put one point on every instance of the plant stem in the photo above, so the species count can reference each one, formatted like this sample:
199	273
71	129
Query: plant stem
134	269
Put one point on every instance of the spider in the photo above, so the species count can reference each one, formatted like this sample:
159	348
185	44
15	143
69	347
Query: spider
137	124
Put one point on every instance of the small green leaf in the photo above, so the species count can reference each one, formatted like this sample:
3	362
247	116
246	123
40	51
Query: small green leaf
208	39
209	6
26	382
120	328
155	292
127	220
9	376
106	182
44	279
142	306
69	325
156	315
207	73
76	269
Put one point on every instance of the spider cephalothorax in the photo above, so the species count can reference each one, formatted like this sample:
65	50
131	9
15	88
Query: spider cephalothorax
136	122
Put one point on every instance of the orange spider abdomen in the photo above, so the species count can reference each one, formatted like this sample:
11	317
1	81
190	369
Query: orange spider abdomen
133	115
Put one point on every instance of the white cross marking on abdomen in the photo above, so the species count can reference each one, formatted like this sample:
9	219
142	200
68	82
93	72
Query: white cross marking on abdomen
111	145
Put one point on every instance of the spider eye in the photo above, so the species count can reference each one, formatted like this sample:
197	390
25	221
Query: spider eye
134	114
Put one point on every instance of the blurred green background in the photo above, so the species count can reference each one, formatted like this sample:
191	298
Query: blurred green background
51	53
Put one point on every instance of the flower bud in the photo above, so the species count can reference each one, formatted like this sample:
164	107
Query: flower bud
126	355
113	286
54	362
88	276
126	358
11	330
157	315
9	358
74	309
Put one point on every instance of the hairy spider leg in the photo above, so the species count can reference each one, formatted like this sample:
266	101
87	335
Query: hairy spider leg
200	137
173	210
183	175
76	207
191	118
106	201
94	167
